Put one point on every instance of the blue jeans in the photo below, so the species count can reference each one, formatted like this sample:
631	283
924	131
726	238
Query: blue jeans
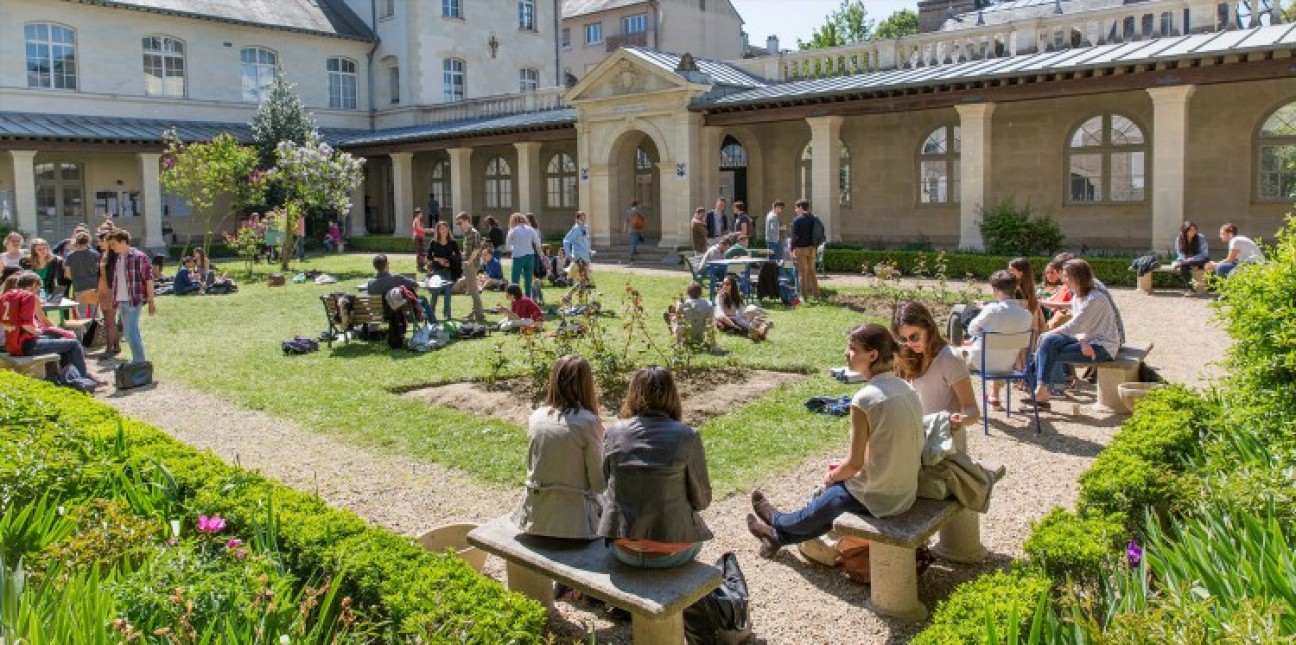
130	317
523	271
1223	269
446	284
636	238
300	249
68	349
1055	352
817	517
683	557
776	250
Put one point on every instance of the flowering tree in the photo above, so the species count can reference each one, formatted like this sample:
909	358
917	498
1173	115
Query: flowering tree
313	177
206	174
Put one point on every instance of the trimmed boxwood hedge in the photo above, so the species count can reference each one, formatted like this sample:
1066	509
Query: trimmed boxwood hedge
54	441
962	618
1114	272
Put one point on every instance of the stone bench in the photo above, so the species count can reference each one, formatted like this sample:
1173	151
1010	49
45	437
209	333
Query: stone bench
33	366
1198	277
1124	368
655	598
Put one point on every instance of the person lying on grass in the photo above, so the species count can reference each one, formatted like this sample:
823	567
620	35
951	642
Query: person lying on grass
522	312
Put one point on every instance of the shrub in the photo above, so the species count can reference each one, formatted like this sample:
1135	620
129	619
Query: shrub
1009	230
995	597
1113	272
1069	546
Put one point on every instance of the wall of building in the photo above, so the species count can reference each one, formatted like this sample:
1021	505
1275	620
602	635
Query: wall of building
110	76
685	26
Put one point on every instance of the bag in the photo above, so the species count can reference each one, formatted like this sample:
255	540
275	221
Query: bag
132	375
71	377
473	330
221	288
298	345
90	333
428	337
724	615
638	222
277	280
853	554
817	236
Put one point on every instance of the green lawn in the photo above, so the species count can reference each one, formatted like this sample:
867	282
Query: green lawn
230	346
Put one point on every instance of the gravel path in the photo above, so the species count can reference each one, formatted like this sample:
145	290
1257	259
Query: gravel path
792	601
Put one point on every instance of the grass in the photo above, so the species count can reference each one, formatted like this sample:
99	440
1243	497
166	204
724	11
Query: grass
229	346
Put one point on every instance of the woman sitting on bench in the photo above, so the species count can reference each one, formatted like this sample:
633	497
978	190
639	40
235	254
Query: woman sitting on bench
657	478
880	474
1093	335
939	375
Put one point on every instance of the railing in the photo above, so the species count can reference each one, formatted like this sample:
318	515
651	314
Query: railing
491	106
1126	23
636	39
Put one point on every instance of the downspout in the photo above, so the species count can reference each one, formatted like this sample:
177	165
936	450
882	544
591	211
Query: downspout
656	5
373	20
557	24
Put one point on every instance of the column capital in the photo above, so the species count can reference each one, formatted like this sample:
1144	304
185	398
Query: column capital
975	110
524	146
22	154
832	122
401	157
1171	95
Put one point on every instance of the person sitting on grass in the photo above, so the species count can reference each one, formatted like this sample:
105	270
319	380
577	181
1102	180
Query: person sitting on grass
1005	315
28	333
522	312
493	270
688	319
733	317
187	280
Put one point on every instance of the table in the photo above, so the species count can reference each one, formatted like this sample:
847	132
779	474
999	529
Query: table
746	265
63	306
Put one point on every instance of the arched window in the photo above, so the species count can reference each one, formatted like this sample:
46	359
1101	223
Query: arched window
560	181
732	155
938	166
164	66
499	183
1106	160
51	56
643	163
1276	149
806	172
259	68
440	184
341	83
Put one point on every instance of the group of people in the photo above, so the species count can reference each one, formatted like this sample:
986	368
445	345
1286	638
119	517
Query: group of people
690	317
1193	252
716	240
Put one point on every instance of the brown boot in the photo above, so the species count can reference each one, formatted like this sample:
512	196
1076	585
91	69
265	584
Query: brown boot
769	540
762	507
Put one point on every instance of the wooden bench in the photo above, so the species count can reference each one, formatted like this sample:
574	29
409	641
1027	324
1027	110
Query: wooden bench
33	366
365	310
1198	278
1124	368
655	598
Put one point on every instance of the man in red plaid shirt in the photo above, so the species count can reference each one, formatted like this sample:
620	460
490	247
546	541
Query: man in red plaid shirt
132	288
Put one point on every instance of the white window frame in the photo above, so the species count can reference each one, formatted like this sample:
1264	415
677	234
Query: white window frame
566	38
166	58
528	79
499	184
454	79
1274	135
1106	149
526	15
452	9
343	83
948	160
263	72
388	8
51	49
635	24
560	182
593	33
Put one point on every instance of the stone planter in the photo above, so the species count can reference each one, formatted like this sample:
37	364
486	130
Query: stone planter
454	536
1130	393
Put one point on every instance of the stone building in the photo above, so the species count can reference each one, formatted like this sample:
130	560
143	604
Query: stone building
592	29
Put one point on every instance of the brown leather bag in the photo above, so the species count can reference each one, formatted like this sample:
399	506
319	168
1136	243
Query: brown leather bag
277	280
853	553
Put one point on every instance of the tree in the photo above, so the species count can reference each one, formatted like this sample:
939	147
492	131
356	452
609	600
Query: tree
903	22
280	117
311	177
207	174
848	25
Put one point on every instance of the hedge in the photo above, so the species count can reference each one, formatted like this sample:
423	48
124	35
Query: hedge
54	441
1113	272
962	618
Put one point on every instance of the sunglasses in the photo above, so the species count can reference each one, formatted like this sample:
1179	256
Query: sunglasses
912	338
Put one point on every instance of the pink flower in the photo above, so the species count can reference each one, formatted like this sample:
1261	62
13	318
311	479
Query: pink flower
233	543
240	554
211	524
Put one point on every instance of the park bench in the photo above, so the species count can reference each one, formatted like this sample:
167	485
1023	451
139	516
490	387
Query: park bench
33	366
1124	368
655	598
1198	277
365	310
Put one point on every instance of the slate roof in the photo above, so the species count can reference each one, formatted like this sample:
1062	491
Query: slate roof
1016	10
325	17
528	122
720	73
106	129
573	8
1274	37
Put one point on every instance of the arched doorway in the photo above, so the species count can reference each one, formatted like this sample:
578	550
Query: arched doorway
733	170
636	173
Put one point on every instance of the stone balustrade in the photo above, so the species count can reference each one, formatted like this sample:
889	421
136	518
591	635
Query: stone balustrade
492	106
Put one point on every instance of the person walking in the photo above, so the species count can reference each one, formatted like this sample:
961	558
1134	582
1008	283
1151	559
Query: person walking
634	224
807	232
774	231
132	289
472	252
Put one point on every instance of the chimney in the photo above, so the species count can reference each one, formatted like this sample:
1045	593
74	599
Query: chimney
772	45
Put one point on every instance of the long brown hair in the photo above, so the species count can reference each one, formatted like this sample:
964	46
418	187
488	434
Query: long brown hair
872	336
1025	283
571	386
911	364
1187	243
1082	274
730	294
652	391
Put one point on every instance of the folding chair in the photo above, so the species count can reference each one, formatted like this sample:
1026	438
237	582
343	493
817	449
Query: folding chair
1001	345
702	277
819	260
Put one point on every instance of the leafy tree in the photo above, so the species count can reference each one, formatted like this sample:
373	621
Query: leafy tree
312	176
209	174
848	25
280	117
903	22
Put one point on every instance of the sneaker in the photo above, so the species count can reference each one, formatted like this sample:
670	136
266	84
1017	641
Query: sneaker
768	539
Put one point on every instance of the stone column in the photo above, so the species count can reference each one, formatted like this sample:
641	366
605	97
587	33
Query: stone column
1169	152
402	192
603	217
150	167
529	178
825	183
461	182
24	175
357	213
974	126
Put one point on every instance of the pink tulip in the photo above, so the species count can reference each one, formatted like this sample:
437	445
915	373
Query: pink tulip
233	543
212	524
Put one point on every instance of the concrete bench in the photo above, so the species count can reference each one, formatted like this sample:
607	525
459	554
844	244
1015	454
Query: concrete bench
33	366
1124	368
655	598
1198	277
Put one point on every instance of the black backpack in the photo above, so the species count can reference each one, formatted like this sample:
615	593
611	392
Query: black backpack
473	330
723	616
298	345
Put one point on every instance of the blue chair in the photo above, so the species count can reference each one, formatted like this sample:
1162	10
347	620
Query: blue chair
1000	345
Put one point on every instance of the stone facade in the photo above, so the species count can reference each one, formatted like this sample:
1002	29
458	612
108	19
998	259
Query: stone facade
704	29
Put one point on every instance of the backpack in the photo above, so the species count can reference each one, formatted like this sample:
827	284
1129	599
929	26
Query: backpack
298	345
473	330
724	615
637	221
818	237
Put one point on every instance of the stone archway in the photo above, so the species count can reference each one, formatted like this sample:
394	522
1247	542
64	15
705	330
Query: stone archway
634	163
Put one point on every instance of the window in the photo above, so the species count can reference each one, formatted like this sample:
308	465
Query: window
566	37
453	78
938	166
386	8
259	69
164	66
1106	157
499	184
342	83
528	79
560	182
526	15
806	168
175	205
440	185
732	155
51	56
452	8
1276	147
593	33
59	191
393	82
634	24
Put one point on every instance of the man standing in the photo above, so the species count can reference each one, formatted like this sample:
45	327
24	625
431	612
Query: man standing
433	210
132	288
635	223
420	238
804	248
576	244
742	221
774	231
1241	249
717	221
301	237
472	248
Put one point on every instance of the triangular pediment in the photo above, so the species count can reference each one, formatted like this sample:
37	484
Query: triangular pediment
626	73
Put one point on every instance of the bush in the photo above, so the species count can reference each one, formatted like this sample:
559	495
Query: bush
380	244
80	451
1067	546
995	597
1113	271
1009	230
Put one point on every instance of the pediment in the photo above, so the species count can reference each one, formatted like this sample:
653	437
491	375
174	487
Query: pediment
622	74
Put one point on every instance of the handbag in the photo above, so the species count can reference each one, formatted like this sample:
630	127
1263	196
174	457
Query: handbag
722	617
132	375
277	280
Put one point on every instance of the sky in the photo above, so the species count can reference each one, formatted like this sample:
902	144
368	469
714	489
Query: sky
793	19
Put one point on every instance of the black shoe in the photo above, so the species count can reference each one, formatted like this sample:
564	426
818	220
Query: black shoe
769	541
763	508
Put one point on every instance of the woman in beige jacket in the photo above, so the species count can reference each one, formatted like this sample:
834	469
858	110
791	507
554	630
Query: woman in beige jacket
564	457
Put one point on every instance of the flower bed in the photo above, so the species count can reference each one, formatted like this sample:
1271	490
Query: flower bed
144	535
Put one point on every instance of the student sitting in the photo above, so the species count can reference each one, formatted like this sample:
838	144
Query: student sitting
187	280
731	316
738	250
688	318
493	270
1241	250
522	313
385	281
1005	315
712	255
333	238
27	333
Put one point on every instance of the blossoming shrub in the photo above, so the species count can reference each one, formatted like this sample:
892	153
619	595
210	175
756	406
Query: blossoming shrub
58	445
